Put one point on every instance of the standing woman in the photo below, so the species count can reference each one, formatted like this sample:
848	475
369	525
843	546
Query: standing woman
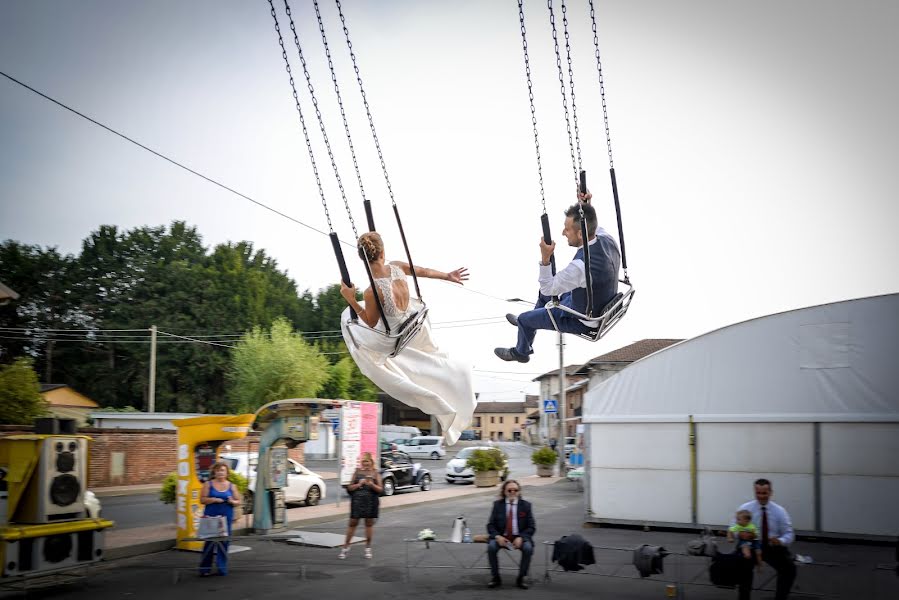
220	497
365	487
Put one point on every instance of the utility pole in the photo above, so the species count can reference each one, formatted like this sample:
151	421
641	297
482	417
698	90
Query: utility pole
151	396
560	439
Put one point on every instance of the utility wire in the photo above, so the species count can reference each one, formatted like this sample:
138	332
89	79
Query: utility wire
197	173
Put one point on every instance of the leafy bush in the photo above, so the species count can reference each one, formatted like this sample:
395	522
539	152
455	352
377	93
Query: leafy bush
20	393
168	493
544	456
486	460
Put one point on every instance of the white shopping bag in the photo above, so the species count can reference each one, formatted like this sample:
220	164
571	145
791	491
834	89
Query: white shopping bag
211	527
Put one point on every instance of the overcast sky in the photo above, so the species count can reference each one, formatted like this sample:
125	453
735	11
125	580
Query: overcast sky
754	144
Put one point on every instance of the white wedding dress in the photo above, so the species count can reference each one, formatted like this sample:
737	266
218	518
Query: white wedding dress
421	375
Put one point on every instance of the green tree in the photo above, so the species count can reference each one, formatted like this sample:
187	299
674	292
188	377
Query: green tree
268	366
20	393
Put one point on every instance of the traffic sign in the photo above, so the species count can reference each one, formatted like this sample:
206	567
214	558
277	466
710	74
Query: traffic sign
550	406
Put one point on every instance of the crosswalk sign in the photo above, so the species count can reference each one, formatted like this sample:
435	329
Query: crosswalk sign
550	406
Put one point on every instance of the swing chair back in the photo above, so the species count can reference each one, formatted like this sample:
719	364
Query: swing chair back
599	326
378	340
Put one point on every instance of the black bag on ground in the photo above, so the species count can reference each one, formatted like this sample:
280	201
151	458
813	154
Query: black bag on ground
727	569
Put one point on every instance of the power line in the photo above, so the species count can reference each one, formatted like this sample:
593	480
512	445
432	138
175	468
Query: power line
197	173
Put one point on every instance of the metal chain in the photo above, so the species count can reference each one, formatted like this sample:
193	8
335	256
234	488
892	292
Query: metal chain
371	121
552	22
346	126
321	122
577	135
296	100
527	70
602	89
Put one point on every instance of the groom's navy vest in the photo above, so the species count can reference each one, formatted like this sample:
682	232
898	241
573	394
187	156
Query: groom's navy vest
605	260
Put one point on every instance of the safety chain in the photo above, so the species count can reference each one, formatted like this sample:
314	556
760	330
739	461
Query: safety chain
346	126
552	22
577	135
321	122
602	89
371	121
296	100
527	70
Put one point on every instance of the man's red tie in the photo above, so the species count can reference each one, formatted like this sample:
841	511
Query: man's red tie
764	526
509	516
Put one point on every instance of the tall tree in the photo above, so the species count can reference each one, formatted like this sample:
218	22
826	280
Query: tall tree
272	365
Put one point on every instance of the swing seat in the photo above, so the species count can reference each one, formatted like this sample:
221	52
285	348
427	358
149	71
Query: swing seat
612	312
391	344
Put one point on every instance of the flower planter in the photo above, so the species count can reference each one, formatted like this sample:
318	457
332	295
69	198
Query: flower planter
545	470
486	478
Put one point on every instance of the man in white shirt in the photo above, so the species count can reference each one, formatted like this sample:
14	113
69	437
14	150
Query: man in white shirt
570	284
776	534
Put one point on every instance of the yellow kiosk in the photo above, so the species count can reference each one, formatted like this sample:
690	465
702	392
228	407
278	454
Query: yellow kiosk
45	525
199	439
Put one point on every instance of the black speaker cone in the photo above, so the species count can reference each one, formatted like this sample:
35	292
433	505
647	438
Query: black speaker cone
65	462
57	548
64	490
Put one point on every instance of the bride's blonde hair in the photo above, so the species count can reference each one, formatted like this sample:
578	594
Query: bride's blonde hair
371	246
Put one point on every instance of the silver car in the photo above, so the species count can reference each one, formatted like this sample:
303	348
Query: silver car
456	471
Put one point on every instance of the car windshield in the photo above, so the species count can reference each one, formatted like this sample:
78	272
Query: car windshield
465	453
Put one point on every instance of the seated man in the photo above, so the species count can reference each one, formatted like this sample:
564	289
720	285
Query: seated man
511	526
570	283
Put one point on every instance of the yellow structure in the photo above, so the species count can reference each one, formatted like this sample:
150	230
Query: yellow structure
65	403
42	513
199	439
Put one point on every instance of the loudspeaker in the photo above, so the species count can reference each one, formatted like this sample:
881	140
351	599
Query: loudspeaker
56	490
59	551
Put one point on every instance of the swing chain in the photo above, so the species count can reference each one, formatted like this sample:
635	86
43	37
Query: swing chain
527	69
371	121
577	135
552	22
296	100
346	126
602	89
321	122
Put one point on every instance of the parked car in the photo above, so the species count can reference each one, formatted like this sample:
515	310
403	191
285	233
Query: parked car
424	446
398	472
457	471
302	484
468	435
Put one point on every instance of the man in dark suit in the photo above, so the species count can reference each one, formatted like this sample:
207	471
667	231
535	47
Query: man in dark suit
511	526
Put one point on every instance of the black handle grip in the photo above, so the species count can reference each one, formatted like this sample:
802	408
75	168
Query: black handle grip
341	263
369	215
547	236
583	187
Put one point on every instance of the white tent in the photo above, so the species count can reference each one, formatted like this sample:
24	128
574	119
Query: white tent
808	399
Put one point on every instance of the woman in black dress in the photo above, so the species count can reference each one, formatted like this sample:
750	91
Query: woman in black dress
365	488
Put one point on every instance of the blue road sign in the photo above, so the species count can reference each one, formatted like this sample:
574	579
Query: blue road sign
550	406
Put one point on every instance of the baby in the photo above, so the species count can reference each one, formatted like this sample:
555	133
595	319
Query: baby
744	524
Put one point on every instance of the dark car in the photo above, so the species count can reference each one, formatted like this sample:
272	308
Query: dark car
398	472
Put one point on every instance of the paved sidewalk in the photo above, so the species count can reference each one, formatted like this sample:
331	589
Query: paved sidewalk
122	543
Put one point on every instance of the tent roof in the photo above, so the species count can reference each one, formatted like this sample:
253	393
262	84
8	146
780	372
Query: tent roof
834	362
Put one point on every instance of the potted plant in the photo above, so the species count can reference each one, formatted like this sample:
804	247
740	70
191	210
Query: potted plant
544	458
168	495
486	465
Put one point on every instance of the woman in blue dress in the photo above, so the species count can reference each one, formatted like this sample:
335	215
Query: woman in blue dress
220	497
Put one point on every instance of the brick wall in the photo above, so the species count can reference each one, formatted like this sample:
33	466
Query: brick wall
137	456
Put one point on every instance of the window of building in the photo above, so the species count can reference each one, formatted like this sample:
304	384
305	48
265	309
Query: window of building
477	422
500	419
493	419
516	420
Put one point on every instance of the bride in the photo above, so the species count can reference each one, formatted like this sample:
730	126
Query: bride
421	375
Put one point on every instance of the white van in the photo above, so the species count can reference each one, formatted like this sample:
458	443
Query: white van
390	433
424	446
